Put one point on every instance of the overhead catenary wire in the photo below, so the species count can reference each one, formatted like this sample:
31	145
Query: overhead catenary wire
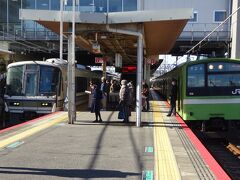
199	43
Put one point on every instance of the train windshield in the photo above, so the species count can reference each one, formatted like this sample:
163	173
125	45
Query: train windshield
196	76
213	79
14	85
49	78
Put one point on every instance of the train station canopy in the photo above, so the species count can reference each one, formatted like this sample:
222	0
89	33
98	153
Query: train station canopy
160	29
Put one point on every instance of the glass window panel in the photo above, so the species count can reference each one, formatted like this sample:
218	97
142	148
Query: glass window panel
14	7
3	11
31	84
28	4
29	25
224	80
129	5
115	5
55	4
195	17
196	76
49	77
100	5
220	16
87	6
43	4
14	81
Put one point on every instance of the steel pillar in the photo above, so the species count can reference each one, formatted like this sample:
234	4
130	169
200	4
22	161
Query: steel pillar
139	80
235	30
71	83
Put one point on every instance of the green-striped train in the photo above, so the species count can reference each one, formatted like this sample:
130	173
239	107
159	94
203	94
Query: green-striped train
207	89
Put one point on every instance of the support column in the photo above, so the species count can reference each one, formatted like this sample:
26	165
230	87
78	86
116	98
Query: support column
104	68
61	30
71	82
139	80
235	30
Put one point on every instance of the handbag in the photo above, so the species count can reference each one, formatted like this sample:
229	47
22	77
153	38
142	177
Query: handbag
121	114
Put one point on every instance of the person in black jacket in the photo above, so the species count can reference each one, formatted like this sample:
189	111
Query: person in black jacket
96	103
173	98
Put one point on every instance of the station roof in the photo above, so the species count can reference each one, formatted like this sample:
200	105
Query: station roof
160	29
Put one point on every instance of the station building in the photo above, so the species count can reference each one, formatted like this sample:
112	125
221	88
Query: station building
30	40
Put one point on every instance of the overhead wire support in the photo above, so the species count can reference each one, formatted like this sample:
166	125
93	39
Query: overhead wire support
199	43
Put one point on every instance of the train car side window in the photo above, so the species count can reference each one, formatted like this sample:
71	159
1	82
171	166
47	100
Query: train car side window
196	76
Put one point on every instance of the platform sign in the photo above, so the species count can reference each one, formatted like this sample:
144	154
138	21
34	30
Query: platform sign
99	60
152	60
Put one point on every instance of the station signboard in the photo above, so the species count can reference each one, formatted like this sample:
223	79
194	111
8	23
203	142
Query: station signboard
99	60
152	60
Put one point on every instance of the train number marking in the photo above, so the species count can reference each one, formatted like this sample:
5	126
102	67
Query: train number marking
237	91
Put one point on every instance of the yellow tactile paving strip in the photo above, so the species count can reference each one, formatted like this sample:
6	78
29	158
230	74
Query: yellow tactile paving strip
50	121
165	163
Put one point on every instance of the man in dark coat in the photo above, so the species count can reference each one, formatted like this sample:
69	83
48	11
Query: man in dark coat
2	88
173	98
96	103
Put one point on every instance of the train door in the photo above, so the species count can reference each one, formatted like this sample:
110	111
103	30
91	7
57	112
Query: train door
30	88
179	85
31	84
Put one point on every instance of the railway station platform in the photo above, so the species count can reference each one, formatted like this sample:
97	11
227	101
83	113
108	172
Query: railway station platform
50	148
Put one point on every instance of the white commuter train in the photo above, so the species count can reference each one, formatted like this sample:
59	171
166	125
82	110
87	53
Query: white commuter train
34	88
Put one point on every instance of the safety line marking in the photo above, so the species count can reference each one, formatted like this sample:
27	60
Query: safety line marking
29	132
28	122
165	162
214	166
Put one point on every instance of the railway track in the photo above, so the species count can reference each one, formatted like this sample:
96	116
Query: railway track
223	146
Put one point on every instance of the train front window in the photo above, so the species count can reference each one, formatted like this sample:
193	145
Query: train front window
49	78
31	86
196	76
224	80
14	84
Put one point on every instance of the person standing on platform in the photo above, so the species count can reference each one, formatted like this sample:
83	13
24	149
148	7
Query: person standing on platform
2	87
131	94
173	98
124	97
108	85
96	102
145	93
104	93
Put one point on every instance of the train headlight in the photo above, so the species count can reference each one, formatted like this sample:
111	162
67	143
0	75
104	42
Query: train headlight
211	67
220	66
14	104
45	104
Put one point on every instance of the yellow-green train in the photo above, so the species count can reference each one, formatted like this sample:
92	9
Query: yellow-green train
207	89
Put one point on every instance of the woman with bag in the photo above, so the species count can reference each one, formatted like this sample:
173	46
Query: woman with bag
124	97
